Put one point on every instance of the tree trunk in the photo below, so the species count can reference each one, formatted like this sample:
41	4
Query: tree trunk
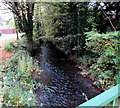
17	35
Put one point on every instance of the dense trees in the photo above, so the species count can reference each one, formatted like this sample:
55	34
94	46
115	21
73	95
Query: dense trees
64	18
87	31
72	23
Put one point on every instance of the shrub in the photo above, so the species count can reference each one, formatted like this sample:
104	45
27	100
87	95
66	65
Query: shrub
9	47
16	81
106	66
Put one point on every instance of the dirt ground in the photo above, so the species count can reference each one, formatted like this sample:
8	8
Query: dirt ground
4	54
4	39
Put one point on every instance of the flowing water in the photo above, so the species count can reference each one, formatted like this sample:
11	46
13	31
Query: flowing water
66	86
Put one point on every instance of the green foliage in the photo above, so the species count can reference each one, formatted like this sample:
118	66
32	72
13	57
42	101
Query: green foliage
118	78
17	45
62	18
73	43
38	30
43	19
18	78
87	59
21	43
9	47
107	64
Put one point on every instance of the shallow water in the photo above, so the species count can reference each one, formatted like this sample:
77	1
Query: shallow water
67	87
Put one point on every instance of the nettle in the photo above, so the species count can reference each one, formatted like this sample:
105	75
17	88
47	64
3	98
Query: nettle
106	46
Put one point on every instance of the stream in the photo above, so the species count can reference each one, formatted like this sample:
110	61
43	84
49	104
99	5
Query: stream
66	87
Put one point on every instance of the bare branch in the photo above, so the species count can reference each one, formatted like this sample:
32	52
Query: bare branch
109	20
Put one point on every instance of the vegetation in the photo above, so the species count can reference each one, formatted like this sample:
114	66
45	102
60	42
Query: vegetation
17	83
88	31
85	31
23	14
100	55
106	65
9	47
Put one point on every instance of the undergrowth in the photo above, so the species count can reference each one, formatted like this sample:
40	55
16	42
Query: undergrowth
107	64
9	47
100	55
17	84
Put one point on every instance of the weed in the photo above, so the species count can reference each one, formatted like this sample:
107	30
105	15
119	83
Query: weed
16	81
9	47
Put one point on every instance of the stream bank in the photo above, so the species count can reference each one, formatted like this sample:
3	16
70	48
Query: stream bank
67	87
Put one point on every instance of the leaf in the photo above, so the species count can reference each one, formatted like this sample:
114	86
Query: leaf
109	52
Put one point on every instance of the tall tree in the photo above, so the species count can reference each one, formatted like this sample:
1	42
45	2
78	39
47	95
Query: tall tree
23	13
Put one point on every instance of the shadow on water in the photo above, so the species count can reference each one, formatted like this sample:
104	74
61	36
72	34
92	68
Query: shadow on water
68	88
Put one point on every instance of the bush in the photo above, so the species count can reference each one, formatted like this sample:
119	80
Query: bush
16	81
10	47
107	63
87	59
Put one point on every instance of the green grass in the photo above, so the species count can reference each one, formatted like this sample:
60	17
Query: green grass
6	42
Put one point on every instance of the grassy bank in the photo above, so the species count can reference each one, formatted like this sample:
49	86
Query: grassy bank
17	83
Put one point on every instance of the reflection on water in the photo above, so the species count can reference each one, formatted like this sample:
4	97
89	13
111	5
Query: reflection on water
68	87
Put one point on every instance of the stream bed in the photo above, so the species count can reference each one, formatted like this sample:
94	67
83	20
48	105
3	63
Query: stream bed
66	86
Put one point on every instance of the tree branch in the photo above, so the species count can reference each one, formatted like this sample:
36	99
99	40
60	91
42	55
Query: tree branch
109	20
